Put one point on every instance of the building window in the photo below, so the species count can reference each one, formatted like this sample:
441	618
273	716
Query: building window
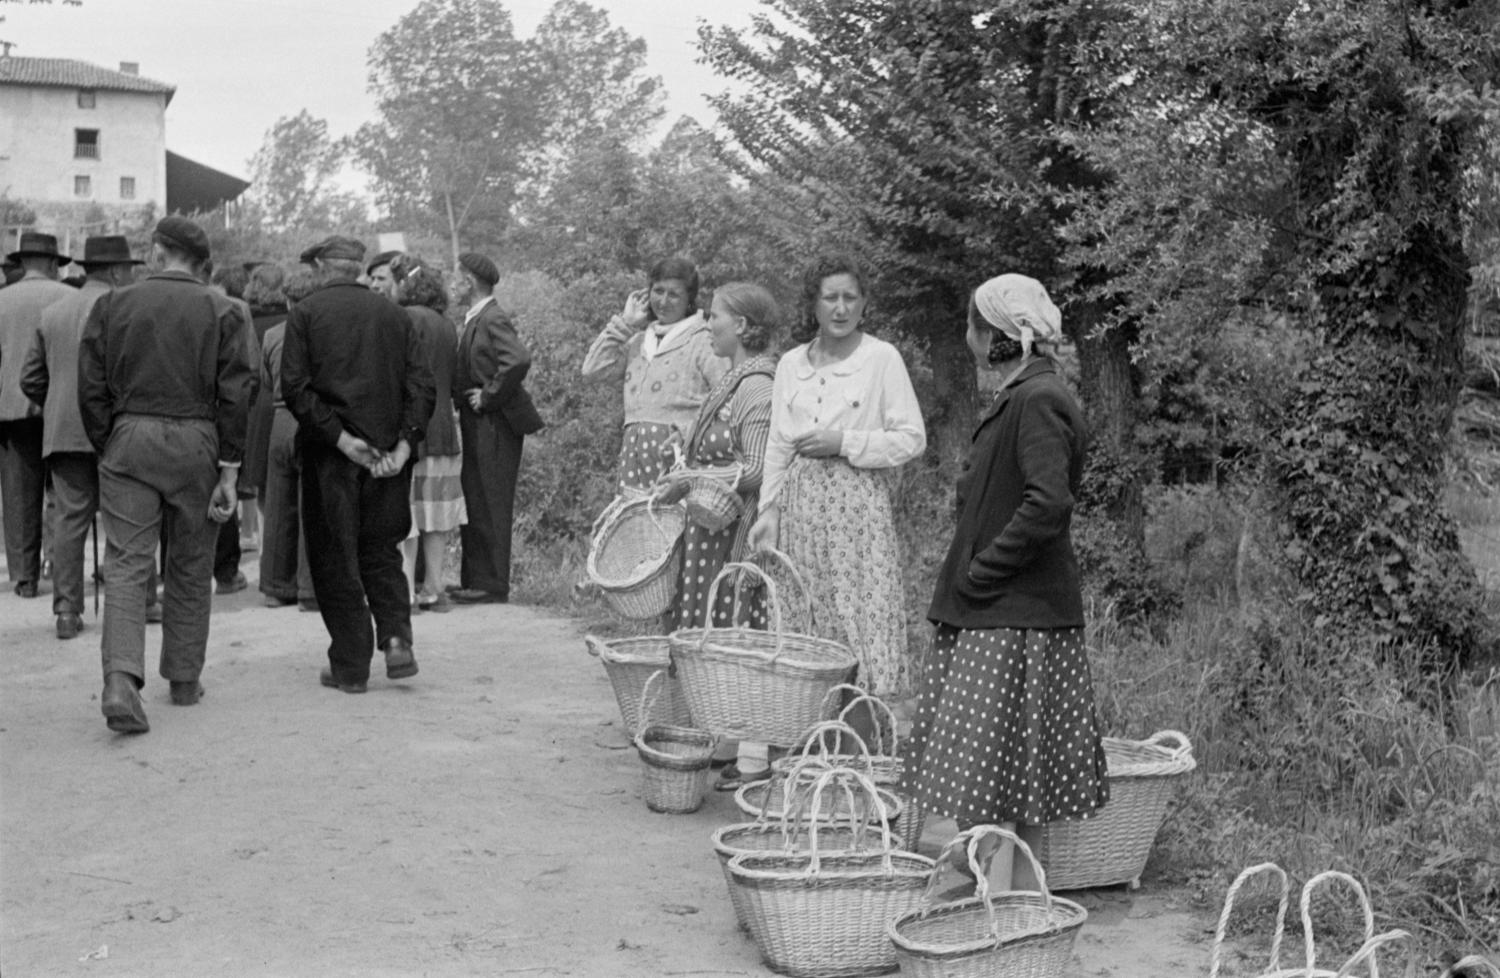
85	144
82	186
127	188
85	98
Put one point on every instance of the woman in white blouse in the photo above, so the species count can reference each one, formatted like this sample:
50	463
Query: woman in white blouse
843	418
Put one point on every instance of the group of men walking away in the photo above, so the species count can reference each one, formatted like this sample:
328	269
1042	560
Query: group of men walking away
138	396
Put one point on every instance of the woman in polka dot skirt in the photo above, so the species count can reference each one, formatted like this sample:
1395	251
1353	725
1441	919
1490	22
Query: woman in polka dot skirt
660	345
1006	731
844	417
731	429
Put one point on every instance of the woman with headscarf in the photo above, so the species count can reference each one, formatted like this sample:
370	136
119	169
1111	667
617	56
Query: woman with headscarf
660	345
1006	730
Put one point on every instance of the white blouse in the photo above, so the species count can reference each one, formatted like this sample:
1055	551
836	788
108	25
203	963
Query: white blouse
867	395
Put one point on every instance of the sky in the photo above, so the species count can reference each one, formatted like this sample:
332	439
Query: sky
239	65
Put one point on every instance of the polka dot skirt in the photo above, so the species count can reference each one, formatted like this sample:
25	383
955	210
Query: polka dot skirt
1006	728
644	454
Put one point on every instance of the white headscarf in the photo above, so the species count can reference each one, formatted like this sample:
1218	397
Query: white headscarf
1019	307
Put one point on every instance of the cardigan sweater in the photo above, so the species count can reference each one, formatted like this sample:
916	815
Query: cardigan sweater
671	386
1011	563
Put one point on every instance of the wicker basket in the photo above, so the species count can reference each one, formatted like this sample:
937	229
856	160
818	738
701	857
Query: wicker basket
821	914
629	662
675	760
711	500
1112	845
1366	955
746	684
1019	934
634	555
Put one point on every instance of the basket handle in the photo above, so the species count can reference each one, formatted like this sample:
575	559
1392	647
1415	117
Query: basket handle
1332	876
1367	952
875	703
817	735
606	514
794	810
1468	965
595	646
1216	954
968	841
849	780
735	570
648	702
797	580
1174	742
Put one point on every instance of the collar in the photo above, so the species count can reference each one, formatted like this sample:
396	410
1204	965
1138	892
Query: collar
477	308
803	368
176	274
1040	365
676	335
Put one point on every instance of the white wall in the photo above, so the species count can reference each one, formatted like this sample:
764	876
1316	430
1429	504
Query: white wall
37	139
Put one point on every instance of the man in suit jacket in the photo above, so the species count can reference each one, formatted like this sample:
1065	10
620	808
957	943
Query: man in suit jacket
495	414
21	472
50	379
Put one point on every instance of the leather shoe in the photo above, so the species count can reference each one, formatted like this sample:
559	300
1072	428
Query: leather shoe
235	583
326	678
153	613
307	604
69	625
400	663
470	595
121	704
25	589
272	601
186	693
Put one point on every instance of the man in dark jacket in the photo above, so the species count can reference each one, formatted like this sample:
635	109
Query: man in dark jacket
164	391
494	415
353	375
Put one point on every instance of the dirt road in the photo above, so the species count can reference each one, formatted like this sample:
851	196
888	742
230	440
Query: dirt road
476	820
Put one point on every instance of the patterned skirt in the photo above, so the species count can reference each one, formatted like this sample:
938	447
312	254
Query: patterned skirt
1006	729
437	496
644	454
838	526
704	554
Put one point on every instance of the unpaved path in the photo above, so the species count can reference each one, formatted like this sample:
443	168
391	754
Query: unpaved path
476	820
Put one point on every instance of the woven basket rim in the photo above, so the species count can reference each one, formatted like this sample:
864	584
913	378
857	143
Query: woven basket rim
673	524
1144	759
610	651
755	648
791	867
894	805
1075	916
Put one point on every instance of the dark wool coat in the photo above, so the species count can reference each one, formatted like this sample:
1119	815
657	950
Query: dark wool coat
1011	564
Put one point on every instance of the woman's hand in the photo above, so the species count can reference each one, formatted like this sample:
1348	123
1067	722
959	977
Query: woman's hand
819	443
637	309
766	531
670	491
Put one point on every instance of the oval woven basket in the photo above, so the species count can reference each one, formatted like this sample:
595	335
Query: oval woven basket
1018	934
629	663
634	555
1112	845
765	835
764	686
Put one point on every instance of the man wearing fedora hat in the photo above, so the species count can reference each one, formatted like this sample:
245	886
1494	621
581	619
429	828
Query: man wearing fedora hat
50	379
22	476
164	391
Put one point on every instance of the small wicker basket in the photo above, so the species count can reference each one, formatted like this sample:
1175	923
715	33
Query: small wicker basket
1019	934
711	499
1112	845
675	760
765	686
634	555
629	663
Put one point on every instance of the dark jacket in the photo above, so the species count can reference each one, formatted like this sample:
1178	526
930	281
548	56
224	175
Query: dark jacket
492	357
439	340
1011	564
351	361
168	346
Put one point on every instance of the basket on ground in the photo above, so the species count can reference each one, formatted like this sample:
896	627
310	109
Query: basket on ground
634	555
629	663
821	914
675	760
765	686
1018	934
1112	845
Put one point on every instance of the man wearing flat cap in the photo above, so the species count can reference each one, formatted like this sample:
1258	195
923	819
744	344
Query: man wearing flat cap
353	375
22	476
50	379
495	414
164	391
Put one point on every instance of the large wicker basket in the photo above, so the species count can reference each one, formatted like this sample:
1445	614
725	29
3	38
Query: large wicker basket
1112	845
629	662
821	914
1019	934
675	760
634	556
763	686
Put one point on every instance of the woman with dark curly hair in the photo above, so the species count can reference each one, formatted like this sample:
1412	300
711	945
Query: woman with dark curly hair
437	495
660	345
844	417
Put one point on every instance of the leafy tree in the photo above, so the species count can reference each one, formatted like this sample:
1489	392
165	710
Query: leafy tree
291	175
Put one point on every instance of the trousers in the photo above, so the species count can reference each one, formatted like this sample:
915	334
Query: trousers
492	463
75	493
354	525
157	474
283	552
22	486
